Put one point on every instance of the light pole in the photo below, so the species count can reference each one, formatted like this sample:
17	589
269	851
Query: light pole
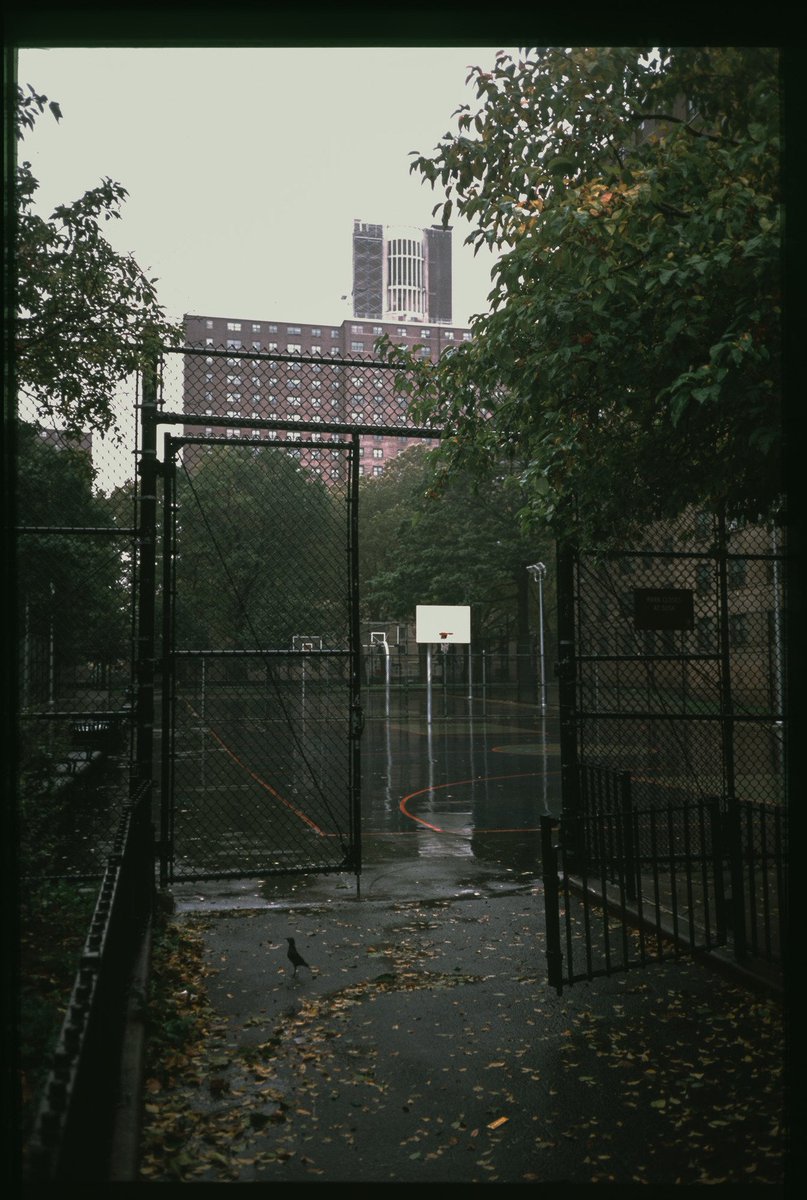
537	571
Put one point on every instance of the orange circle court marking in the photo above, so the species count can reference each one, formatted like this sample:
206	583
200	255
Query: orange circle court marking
463	783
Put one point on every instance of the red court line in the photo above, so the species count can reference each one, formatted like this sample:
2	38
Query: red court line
261	782
461	783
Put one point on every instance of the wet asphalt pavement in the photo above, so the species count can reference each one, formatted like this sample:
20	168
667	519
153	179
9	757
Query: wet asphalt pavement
424	1044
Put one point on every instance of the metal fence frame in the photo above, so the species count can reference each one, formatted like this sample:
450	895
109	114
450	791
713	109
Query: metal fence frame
75	1125
750	890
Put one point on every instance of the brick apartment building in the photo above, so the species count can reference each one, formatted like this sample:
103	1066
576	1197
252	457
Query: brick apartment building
326	373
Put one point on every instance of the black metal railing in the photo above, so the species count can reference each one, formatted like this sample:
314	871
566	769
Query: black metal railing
627	885
74	1128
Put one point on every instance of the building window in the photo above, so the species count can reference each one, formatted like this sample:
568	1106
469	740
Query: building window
738	630
290	329
334	333
357	347
316	331
402	332
233	397
233	344
378	470
357	329
272	346
707	634
256	327
703	578
378	452
736	571
234	379
316	349
294	400
209	342
234	327
208	324
273	328
466	337
378	330
294	348
449	335
256	345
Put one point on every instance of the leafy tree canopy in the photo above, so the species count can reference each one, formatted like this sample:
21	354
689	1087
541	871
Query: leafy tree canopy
71	585
424	540
631	352
84	313
261	551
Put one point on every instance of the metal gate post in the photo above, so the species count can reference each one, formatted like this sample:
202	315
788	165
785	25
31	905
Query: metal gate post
549	870
167	689
727	732
147	469
356	710
567	683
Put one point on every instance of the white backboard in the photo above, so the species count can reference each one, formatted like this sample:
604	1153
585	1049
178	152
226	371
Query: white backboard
443	623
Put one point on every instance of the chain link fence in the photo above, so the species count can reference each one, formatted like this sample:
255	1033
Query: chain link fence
679	709
75	556
295	398
259	683
680	651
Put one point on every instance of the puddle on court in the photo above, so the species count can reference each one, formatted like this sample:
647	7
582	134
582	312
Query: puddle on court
447	808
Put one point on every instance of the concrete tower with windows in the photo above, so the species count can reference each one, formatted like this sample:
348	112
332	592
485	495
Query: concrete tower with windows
402	273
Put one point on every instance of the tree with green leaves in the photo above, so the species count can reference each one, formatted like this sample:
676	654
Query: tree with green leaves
72	587
424	539
260	551
630	357
86	317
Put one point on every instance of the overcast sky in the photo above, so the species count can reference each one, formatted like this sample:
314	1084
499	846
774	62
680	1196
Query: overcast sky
246	167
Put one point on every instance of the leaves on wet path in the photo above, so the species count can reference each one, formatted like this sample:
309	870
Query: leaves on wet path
408	1059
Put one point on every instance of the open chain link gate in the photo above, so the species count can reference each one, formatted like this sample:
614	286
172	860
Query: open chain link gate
672	697
260	755
249	710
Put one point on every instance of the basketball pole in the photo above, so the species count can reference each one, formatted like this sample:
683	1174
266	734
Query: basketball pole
429	683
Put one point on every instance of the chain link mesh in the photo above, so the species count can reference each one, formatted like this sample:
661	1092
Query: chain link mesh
261	683
75	516
654	700
261	396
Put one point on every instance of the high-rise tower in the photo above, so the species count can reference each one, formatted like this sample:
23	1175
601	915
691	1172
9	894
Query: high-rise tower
402	273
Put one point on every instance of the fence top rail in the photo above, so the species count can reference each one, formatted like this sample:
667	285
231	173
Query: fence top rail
342	427
108	530
332	360
260	653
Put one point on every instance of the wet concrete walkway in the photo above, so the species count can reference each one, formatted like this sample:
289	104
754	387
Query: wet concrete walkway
424	1044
